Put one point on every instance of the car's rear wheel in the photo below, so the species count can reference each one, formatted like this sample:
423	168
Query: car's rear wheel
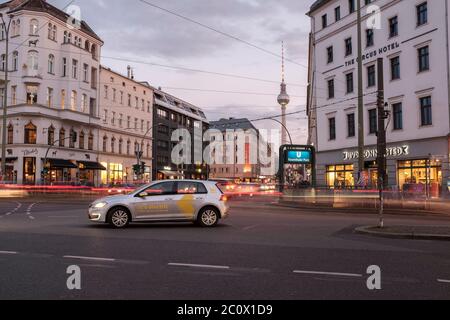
119	218
208	217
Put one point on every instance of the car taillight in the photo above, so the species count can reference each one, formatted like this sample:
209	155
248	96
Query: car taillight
223	198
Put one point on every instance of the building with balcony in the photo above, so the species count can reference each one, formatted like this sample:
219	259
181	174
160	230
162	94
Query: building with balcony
52	95
412	38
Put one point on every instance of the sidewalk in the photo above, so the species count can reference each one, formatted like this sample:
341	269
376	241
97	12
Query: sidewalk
408	232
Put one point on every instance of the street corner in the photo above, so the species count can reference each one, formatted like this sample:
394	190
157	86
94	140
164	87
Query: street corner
438	233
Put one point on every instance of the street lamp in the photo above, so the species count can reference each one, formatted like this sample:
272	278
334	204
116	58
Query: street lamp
285	128
5	27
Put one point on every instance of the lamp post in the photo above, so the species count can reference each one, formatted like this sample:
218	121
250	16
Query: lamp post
5	27
285	129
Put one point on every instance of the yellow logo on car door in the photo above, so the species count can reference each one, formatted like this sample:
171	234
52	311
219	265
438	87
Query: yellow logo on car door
186	205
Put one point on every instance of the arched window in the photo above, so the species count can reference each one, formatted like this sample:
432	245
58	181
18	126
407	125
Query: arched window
33	63
128	147
69	38
113	145
94	51
34	27
54	33
10	134
51	64
15	61
51	136
17	27
90	141
75	40
72	136
81	140
50	31
66	37
87	46
120	145
79	42
73	100
30	133
105	143
13	28
62	136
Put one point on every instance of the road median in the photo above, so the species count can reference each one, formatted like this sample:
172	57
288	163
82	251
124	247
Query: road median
408	232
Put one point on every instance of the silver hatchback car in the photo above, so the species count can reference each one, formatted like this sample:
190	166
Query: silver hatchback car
201	202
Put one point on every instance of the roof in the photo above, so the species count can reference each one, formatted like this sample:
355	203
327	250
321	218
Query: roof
232	124
44	6
317	5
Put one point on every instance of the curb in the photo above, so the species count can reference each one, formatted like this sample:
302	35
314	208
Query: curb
412	236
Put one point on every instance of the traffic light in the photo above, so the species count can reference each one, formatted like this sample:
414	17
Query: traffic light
136	169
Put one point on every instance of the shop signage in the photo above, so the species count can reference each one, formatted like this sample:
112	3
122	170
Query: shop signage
29	152
373	153
374	53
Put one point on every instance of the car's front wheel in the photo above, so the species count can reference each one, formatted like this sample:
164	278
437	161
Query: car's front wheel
118	218
208	217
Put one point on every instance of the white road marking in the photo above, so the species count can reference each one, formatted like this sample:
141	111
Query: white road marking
204	266
443	281
8	252
19	205
354	275
89	258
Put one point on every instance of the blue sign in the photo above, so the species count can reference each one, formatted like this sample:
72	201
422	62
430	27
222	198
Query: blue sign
301	157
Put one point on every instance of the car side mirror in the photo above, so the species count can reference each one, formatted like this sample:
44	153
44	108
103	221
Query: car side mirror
143	195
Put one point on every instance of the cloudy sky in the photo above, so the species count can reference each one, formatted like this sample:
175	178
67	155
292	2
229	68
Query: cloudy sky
136	32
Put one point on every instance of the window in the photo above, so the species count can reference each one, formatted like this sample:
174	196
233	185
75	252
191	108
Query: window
3	62
162	114
142	125
2	32
73	136
330	56
17	28
84	103
393	27
73	100
191	188
62	136
163	188
51	136
348	46
50	31
30	133
135	123
54	33
324	21
32	94
64	67
34	27
370	38
331	89
340	176
113	118
418	173
397	110
51	64
351	6
81	142
425	111
129	100
50	97
10	134
33	63
114	95
121	97
136	102
63	99
422	14
113	145
337	13
128	122
395	68
65	39
91	141
105	142
13	95
351	125
373	125
424	59
74	69
128	147
106	91
332	128
15	61
85	72
349	80
371	76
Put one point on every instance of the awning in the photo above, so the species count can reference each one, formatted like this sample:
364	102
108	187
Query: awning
9	160
171	173
61	164
88	165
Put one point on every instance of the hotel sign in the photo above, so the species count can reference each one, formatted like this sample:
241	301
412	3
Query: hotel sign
373	153
374	53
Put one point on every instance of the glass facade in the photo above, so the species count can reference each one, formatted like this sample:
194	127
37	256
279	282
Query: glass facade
340	176
420	176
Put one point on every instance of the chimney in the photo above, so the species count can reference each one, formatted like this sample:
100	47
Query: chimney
129	72
132	74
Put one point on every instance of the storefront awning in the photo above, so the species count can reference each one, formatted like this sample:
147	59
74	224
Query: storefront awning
171	173
61	164
88	165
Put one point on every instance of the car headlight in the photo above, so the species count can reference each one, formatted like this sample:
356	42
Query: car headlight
100	205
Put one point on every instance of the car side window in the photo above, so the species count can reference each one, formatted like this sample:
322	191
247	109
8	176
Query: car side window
163	188
187	187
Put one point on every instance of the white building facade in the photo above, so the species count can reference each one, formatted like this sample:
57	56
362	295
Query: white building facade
412	37
126	117
52	95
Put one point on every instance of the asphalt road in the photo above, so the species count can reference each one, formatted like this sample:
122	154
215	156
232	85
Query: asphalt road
260	252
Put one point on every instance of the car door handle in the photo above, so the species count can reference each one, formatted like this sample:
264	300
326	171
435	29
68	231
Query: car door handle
199	199
169	199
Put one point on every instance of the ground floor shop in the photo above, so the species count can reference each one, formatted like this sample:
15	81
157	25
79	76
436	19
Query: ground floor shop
420	167
119	171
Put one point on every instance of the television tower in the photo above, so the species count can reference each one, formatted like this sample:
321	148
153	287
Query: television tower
283	100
